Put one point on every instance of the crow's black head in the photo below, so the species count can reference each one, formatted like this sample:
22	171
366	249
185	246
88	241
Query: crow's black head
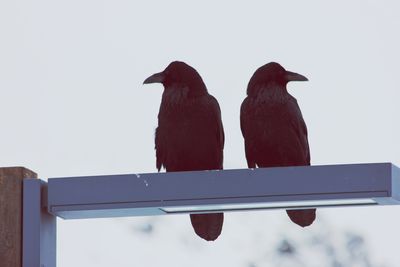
272	74
179	75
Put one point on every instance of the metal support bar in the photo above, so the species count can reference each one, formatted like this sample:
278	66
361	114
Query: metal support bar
39	227
195	192
225	190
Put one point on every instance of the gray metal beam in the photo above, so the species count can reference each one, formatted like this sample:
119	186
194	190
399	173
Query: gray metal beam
38	227
213	191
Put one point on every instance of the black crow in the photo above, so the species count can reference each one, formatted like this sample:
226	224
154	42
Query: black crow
273	128
190	135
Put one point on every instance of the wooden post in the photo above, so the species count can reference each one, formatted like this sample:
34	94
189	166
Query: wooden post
11	214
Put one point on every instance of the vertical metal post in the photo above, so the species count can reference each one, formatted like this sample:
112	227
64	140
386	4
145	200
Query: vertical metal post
39	227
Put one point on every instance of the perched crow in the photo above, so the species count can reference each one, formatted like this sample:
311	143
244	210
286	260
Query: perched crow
190	135
273	128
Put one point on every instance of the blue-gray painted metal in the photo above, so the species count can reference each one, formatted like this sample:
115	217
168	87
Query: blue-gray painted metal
39	227
148	194
395	192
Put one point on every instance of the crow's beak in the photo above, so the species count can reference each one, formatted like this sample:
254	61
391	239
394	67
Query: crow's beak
155	78
292	76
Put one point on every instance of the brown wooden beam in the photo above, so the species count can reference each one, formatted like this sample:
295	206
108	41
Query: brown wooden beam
11	214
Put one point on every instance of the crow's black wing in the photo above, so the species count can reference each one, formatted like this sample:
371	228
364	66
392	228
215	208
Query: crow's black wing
216	122
248	132
190	136
299	128
274	135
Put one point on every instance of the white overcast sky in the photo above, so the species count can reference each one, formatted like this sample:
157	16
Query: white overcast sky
73	103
